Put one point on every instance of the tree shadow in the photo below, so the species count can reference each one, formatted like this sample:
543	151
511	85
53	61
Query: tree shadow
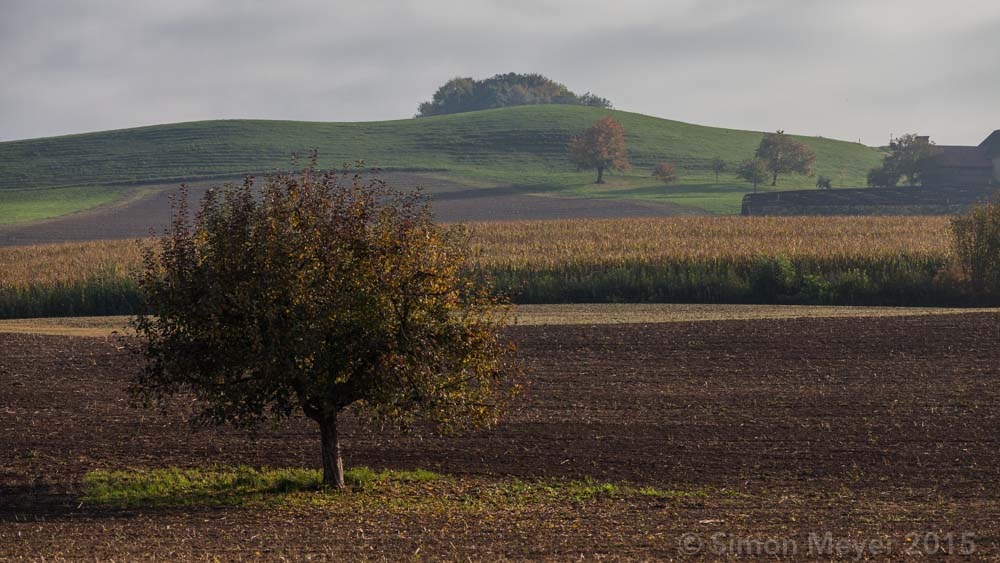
59	502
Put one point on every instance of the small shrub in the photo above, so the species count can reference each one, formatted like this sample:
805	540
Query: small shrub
772	277
977	245
665	173
816	289
851	287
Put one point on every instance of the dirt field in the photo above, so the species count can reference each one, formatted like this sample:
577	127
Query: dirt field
881	432
452	202
563	314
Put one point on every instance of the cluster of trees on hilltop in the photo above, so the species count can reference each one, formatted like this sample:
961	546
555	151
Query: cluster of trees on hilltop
503	90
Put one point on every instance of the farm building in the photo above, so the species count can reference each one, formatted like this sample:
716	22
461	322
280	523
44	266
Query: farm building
953	178
964	166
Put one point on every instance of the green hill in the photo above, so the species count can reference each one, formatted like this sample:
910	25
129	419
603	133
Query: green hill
520	146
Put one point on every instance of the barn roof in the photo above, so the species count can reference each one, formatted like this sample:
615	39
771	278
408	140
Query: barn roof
961	157
992	143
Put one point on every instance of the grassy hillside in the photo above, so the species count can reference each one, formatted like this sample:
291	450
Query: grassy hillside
522	146
22	206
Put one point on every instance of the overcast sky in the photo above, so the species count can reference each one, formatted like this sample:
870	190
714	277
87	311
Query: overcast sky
848	69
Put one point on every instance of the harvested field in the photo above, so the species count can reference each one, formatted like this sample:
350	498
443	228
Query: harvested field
870	429
531	315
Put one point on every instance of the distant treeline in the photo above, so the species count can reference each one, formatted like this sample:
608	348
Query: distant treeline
464	94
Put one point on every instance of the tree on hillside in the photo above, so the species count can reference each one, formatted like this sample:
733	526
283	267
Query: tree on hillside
317	294
665	173
755	171
718	166
824	183
600	147
503	90
785	155
905	160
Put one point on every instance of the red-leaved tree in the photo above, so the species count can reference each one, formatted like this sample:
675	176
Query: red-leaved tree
602	146
665	173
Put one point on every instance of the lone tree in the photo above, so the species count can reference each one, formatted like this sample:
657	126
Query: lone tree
824	183
602	146
664	172
785	155
718	166
320	293
906	158
753	170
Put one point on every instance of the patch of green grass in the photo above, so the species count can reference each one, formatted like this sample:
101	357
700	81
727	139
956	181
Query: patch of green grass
519	146
402	491
224	485
367	478
696	189
21	206
174	486
662	493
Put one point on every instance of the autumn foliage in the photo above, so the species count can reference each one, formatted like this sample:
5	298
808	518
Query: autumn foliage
664	172
321	292
600	147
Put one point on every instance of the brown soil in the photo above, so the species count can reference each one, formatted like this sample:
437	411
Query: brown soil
564	314
452	202
870	429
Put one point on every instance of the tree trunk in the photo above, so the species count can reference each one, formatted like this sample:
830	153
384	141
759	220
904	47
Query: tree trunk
774	180
333	463
600	175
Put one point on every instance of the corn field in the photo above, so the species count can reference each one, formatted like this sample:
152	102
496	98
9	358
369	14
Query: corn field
807	260
74	279
547	244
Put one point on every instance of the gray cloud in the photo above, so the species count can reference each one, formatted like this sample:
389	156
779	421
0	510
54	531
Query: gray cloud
851	69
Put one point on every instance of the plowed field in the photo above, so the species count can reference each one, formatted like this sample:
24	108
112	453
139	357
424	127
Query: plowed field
881	430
